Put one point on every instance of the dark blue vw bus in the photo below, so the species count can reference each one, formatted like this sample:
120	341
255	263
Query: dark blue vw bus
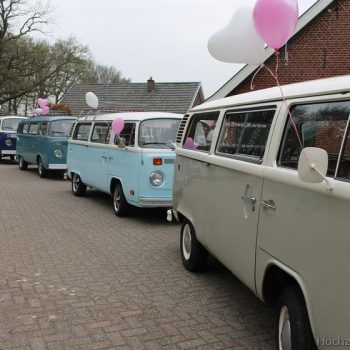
8	135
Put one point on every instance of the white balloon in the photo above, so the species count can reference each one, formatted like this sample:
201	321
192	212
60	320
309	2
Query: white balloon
238	42
91	99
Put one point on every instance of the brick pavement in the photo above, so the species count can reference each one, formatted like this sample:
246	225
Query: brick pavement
74	276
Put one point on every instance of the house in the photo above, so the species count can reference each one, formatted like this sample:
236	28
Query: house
319	48
126	97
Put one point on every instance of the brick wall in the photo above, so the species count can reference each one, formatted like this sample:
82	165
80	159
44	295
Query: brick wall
320	50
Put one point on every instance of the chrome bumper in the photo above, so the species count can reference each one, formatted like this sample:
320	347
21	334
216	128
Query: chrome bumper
57	166
155	202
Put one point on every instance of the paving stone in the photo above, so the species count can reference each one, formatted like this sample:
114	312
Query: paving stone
74	276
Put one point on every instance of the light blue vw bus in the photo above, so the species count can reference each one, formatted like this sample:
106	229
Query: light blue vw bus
136	167
43	141
8	135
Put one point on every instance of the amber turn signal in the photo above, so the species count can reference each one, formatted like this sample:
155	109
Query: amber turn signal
157	161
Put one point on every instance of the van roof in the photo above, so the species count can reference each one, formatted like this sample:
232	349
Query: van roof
12	117
134	116
317	87
49	119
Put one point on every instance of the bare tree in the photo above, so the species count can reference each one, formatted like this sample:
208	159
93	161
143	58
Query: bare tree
99	74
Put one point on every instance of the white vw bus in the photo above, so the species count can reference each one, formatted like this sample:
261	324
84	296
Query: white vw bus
269	196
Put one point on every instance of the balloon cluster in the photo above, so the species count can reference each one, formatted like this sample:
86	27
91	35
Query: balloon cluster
43	107
243	40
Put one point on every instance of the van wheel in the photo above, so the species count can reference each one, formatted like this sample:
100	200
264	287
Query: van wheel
22	164
293	325
120	205
194	255
78	187
41	169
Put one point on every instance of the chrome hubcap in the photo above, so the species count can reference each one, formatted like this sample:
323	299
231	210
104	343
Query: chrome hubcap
186	242
76	181
284	331
116	199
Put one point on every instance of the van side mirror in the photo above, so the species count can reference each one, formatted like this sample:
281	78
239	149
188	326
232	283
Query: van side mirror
313	165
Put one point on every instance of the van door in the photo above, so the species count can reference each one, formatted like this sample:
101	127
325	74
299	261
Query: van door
307	226
191	170
97	167
125	162
32	143
233	190
78	156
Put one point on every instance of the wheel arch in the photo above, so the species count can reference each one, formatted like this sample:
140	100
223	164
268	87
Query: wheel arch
113	183
276	278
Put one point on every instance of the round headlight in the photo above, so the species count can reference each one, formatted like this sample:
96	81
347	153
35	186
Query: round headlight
58	153
156	178
8	143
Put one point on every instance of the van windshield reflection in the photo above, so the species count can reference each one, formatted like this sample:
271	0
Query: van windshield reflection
60	127
158	133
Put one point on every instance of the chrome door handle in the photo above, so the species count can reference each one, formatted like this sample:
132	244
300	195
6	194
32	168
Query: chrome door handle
268	204
252	200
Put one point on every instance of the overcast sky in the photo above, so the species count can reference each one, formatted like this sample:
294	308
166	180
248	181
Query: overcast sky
165	39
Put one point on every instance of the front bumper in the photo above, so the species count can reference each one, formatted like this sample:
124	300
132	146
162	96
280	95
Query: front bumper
57	166
8	152
146	202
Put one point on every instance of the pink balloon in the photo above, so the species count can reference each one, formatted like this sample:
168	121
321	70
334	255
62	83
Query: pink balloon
189	143
275	21
45	110
118	125
42	102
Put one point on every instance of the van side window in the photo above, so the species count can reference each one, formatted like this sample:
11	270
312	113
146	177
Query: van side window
43	128
244	134
82	131
33	129
200	131
127	135
101	133
23	128
344	164
318	125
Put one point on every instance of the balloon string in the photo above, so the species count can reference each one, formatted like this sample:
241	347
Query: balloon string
275	76
252	86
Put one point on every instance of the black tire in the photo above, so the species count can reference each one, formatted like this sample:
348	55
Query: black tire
120	205
194	256
42	171
22	164
293	330
78	187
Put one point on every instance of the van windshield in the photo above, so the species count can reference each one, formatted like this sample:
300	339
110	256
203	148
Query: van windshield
60	127
158	133
10	124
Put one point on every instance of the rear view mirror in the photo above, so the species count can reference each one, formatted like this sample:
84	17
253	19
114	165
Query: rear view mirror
313	165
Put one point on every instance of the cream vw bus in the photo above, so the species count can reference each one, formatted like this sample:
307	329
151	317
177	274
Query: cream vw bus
268	194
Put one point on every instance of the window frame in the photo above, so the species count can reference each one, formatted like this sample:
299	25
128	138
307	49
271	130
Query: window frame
101	123
241	156
76	129
282	141
37	128
133	132
189	127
